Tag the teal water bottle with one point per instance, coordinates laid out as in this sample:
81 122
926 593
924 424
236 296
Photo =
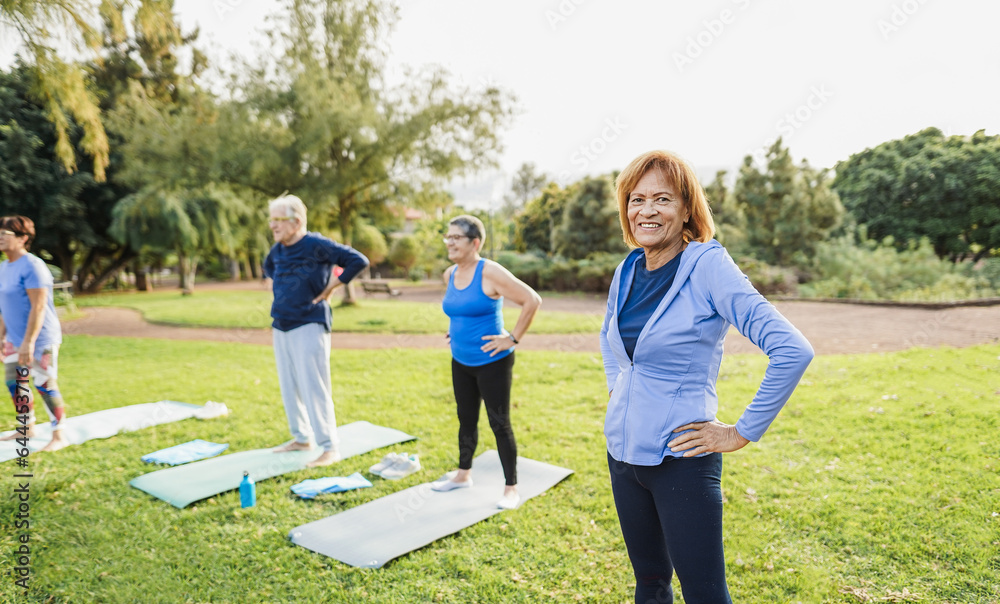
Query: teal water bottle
248 491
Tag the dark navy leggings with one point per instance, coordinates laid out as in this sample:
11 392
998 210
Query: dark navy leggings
489 384
671 518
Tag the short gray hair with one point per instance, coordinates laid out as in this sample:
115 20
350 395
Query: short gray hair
471 226
291 206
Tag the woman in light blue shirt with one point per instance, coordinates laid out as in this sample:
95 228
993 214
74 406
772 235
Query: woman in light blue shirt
670 305
30 332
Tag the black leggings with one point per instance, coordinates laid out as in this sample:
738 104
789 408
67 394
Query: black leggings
671 518
489 383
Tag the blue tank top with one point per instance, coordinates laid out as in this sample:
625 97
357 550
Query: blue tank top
473 315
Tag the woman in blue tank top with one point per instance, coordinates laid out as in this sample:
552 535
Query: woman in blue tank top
482 350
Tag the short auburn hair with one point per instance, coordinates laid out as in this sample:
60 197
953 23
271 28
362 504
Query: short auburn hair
21 226
679 175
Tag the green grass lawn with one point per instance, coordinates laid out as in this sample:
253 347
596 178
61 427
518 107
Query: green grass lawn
243 309
879 478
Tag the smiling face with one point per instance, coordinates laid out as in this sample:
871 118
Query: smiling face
284 228
656 215
460 246
11 243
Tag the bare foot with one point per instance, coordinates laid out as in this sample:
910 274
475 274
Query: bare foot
16 434
292 446
326 459
58 442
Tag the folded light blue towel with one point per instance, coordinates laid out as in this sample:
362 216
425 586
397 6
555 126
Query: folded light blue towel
332 484
183 453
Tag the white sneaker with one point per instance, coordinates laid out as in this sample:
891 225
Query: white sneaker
386 463
403 467
509 502
445 484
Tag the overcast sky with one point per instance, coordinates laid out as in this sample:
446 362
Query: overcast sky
599 82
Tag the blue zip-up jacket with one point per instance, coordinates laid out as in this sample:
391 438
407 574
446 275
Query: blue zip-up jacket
671 380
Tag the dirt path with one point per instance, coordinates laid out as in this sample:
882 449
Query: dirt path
831 328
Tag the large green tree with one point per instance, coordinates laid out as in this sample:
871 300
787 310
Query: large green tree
33 180
190 222
71 210
74 210
538 219
788 209
316 116
63 89
589 221
946 189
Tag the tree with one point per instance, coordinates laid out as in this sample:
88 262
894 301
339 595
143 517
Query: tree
590 220
188 222
322 123
538 219
62 89
730 221
788 209
71 210
526 184
404 252
369 241
927 185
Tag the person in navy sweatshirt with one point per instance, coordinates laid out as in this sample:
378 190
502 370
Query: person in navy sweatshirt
301 268
670 305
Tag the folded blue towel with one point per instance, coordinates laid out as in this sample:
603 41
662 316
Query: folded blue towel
332 484
183 453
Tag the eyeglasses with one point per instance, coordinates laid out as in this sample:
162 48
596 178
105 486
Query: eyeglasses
8 234
454 238
280 219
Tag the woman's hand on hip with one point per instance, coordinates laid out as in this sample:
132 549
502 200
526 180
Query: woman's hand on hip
497 344
25 353
707 437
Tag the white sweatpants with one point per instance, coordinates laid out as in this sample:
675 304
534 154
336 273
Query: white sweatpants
303 359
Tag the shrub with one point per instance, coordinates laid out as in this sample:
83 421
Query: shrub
64 298
591 274
871 270
767 279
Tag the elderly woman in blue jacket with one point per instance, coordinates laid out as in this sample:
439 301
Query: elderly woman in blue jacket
669 308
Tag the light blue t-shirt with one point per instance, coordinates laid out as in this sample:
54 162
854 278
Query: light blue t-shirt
27 272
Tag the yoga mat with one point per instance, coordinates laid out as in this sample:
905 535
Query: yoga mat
194 450
100 424
183 485
374 533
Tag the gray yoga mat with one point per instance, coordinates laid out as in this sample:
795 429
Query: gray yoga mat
374 533
100 424
182 485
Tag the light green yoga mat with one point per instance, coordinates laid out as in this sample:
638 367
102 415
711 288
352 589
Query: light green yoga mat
183 485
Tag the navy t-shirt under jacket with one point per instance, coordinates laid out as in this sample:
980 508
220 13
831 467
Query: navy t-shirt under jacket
648 288
301 272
